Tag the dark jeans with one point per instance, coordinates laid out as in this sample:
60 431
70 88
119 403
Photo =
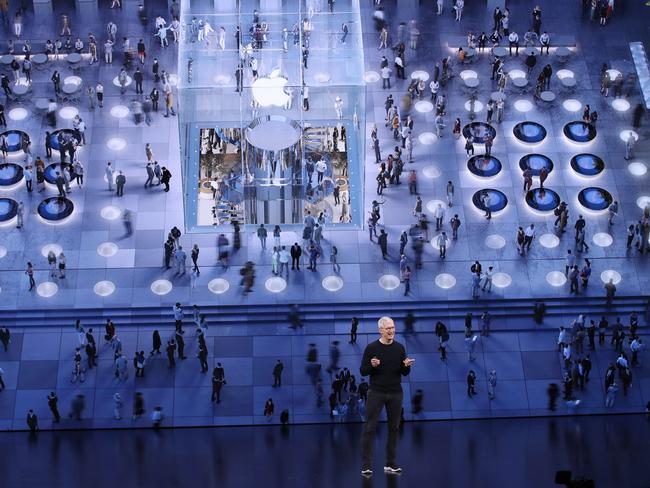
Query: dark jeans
375 403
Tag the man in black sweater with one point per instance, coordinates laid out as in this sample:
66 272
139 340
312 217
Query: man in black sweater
384 361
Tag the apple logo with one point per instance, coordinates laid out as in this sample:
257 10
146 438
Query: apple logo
269 90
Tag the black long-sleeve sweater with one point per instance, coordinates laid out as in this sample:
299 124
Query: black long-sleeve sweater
385 378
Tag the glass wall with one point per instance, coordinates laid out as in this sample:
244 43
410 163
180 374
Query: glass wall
271 106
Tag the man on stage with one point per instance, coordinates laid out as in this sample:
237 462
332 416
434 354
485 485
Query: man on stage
384 361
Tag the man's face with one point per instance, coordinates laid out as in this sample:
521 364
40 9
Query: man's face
387 330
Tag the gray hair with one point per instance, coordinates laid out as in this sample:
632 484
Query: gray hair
385 322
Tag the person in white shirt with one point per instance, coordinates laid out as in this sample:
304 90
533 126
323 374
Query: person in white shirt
385 77
222 38
321 167
439 214
434 86
338 107
111 29
513 40
110 172
488 279
442 244
545 40
207 30
529 235
459 9
450 193
108 52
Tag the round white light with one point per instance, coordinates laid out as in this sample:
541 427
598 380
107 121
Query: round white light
419 74
523 106
322 77
468 73
613 74
556 278
218 286
68 113
119 111
434 242
332 283
371 77
501 280
275 284
55 248
161 287
516 73
625 135
549 241
3 252
107 249
47 289
73 80
18 113
478 106
116 143
641 202
116 81
495 241
110 212
637 168
445 281
389 282
565 73
222 79
602 239
572 105
427 138
104 288
432 205
431 172
610 274
423 106
620 105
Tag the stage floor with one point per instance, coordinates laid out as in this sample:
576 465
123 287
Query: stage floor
504 453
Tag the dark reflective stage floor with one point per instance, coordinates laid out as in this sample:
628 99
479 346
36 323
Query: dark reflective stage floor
498 453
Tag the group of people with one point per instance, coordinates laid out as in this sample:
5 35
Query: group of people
399 122
577 361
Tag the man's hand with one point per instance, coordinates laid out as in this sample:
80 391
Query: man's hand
408 362
374 362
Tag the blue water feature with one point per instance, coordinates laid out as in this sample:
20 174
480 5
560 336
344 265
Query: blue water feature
587 164
54 137
595 198
480 131
484 166
536 162
8 209
498 199
579 131
15 140
529 132
542 199
55 208
10 174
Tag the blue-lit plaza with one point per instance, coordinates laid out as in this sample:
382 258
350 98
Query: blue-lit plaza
250 173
